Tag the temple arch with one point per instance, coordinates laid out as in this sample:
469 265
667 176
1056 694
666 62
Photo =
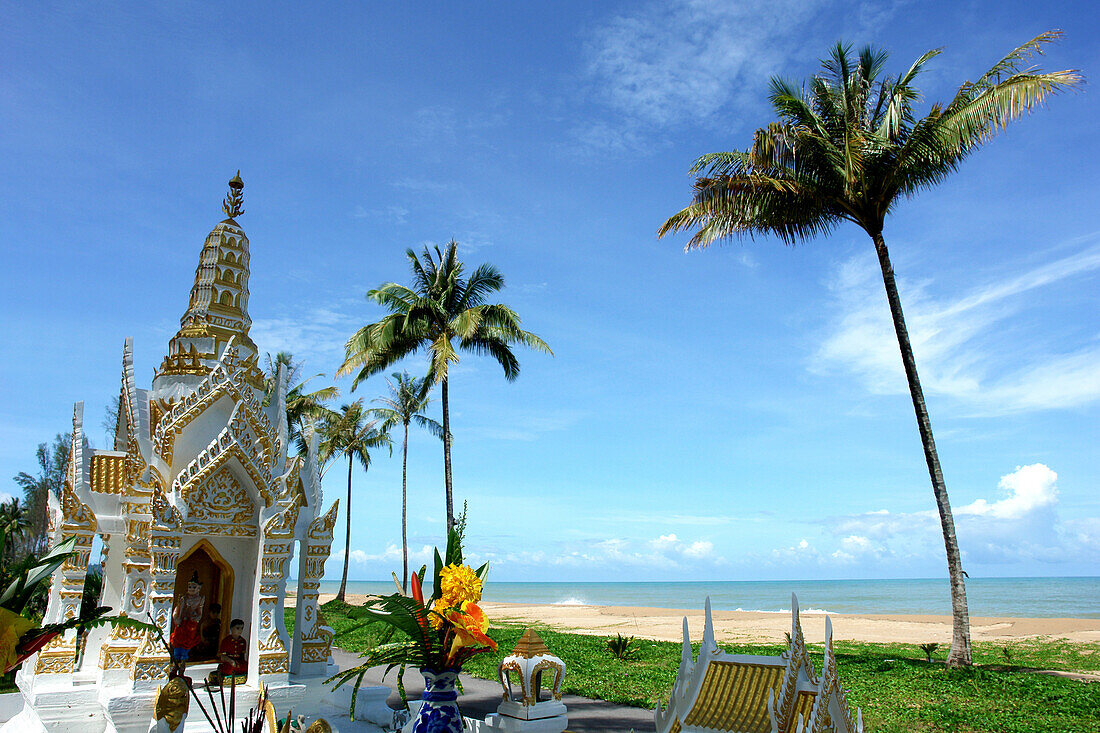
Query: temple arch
217 578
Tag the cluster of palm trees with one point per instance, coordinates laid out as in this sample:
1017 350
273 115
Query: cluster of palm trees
442 313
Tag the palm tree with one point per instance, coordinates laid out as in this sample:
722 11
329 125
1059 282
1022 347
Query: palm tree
439 309
848 147
348 433
52 460
406 403
303 408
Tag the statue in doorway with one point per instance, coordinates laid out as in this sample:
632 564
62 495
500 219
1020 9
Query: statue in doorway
186 615
233 652
232 657
211 631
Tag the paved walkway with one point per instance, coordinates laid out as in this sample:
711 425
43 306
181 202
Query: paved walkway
481 697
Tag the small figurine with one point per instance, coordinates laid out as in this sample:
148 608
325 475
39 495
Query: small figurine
233 652
185 624
172 702
211 630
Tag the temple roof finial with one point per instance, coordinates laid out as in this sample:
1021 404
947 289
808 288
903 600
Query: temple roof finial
233 202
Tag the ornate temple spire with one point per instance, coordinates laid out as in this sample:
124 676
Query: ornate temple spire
218 308
233 202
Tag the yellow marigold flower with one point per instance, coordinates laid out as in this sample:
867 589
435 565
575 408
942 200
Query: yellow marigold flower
458 584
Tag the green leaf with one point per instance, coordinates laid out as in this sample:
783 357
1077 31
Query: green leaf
437 589
454 547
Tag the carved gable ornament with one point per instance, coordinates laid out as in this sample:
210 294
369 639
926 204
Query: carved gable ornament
219 505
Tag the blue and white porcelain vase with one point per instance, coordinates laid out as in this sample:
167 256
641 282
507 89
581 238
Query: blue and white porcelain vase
439 713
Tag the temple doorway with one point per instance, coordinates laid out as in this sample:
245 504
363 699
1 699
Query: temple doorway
216 575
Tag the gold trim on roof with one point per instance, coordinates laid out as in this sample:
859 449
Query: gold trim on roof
108 473
734 697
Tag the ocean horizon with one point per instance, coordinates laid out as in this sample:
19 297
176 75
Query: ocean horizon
1067 597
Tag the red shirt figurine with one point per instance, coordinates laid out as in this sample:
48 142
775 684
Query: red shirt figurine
233 652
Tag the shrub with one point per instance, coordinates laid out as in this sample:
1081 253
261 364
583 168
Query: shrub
622 647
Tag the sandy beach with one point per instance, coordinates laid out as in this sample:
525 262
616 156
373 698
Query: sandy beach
666 624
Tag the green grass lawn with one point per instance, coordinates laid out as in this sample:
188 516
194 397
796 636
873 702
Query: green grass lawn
896 688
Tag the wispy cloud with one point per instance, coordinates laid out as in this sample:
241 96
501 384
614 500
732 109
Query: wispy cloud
951 338
316 336
665 551
395 214
667 519
422 185
671 62
525 425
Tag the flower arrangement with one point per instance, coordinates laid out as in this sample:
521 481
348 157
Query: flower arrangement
438 633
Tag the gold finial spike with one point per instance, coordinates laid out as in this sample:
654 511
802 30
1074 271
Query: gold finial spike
235 200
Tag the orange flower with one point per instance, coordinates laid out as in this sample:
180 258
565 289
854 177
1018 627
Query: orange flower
470 626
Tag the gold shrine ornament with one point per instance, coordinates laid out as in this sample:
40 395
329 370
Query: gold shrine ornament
172 703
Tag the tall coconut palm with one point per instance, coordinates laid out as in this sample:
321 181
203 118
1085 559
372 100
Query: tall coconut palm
303 407
405 405
848 146
348 433
442 313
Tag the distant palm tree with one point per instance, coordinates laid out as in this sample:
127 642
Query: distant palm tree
848 147
302 408
52 459
406 403
439 309
348 433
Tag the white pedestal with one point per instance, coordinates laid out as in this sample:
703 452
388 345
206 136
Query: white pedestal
370 703
495 722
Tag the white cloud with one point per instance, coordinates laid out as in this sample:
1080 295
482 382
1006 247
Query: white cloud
1028 487
951 339
666 552
674 61
699 549
386 557
1021 527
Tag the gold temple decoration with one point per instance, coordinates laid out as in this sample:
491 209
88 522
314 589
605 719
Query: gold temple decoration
235 199
530 645
172 703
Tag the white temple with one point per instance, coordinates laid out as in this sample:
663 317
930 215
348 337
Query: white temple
199 484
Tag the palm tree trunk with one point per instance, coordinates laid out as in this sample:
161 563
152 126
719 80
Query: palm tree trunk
960 637
404 506
347 541
447 457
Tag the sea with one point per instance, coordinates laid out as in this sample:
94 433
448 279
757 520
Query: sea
1076 597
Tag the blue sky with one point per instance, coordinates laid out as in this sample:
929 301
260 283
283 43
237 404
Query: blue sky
738 413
